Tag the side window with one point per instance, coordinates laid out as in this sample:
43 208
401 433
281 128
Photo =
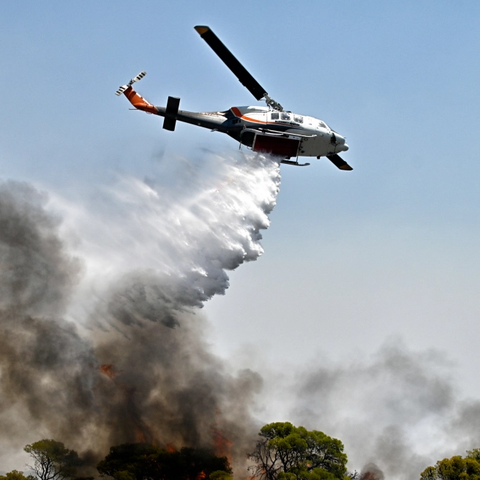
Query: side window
298 119
274 115
285 116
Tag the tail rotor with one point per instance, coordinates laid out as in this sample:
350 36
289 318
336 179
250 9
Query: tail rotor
130 83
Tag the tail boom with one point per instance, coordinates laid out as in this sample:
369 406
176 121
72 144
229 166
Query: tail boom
138 101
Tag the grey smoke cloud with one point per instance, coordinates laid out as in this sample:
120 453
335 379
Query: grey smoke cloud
36 273
43 360
399 410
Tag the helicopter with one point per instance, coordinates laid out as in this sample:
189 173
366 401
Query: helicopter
265 129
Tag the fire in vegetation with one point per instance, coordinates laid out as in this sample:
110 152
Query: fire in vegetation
148 461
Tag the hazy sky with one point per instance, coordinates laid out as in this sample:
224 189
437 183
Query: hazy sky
384 255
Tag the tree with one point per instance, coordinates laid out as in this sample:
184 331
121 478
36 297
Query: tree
286 452
140 461
16 475
130 461
455 468
194 462
52 461
220 475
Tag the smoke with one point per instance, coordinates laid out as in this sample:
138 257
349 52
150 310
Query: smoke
396 413
102 343
42 358
36 274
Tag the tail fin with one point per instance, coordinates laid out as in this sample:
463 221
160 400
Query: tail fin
130 83
135 99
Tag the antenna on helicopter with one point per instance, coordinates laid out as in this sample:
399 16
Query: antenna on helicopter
246 79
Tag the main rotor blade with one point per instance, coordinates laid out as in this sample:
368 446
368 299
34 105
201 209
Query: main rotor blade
231 62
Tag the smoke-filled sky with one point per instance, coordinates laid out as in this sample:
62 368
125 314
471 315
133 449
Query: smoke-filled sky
360 319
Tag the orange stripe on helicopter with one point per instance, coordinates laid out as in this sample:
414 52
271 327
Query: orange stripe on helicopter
237 113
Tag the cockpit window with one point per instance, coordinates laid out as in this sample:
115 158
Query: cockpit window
275 116
298 119
322 125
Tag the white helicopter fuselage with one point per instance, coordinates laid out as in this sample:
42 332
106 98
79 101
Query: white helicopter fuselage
316 137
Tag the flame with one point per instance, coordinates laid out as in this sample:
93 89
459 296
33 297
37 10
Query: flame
143 434
222 445
368 476
140 434
108 370
141 431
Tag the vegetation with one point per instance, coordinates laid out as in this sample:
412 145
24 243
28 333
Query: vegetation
286 452
455 468
52 461
139 461
16 475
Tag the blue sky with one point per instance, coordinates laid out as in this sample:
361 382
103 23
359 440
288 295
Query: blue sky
352 259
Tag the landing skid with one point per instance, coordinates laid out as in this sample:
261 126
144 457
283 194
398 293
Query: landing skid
289 162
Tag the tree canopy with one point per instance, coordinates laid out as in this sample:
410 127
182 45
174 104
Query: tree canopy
455 468
52 461
286 452
139 461
16 475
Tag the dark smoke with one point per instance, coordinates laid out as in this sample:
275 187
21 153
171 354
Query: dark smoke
43 361
132 363
36 273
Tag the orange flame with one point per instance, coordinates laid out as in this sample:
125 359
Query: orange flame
222 444
201 476
108 370
368 476
141 432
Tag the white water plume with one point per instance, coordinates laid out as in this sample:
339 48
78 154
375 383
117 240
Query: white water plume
189 228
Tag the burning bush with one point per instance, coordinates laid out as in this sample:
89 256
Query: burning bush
139 461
